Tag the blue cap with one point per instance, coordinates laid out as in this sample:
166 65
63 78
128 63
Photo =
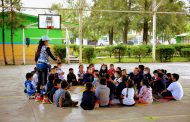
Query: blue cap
45 38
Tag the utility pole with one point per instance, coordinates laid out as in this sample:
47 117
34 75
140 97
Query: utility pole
3 31
154 9
82 2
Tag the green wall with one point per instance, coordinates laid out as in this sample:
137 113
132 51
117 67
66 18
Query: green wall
31 32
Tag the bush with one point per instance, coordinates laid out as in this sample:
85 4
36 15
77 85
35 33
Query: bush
164 53
140 51
74 47
89 54
128 51
60 50
109 50
179 47
149 50
100 51
185 52
119 51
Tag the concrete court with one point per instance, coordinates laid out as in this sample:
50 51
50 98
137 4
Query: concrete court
15 107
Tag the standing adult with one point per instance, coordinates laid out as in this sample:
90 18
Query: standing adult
42 60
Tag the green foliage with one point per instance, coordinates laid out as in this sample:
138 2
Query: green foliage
74 47
119 51
178 48
164 53
88 54
185 52
110 50
129 51
60 50
140 51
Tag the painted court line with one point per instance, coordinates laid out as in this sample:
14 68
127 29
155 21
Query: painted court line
145 118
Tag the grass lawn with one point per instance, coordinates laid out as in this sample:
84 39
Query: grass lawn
135 60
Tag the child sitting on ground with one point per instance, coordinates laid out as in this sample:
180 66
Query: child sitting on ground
128 94
56 86
88 98
29 88
147 74
60 71
118 78
35 78
124 73
111 71
80 74
145 94
111 86
62 97
169 79
175 90
120 87
88 77
103 70
96 81
103 93
71 77
158 84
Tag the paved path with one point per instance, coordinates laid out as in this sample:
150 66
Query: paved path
15 107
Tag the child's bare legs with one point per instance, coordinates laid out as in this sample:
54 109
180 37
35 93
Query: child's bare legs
142 101
46 99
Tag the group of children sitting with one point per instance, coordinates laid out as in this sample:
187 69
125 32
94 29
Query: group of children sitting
104 85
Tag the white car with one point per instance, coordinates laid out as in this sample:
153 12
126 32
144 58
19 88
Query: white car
104 41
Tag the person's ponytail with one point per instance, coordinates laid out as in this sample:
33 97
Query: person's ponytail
37 53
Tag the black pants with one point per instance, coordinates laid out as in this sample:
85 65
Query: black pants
167 94
42 78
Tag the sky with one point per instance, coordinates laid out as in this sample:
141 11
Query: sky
48 3
42 4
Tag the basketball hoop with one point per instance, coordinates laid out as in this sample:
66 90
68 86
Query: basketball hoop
49 21
50 27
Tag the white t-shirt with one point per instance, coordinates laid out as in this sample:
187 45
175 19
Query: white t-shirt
176 89
129 99
35 80
118 80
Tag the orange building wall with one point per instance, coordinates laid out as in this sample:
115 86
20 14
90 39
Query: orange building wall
30 51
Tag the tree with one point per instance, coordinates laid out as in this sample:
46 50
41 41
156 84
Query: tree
170 25
69 16
142 21
119 51
125 19
3 32
105 22
13 20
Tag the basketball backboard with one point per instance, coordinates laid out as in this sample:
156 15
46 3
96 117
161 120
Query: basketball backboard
49 21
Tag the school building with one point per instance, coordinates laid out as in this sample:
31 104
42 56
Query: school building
33 33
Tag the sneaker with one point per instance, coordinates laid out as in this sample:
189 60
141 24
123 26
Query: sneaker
46 101
38 99
31 97
75 103
110 102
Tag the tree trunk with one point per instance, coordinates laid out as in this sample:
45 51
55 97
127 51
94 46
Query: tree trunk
145 31
3 33
12 46
119 56
111 35
125 34
145 27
